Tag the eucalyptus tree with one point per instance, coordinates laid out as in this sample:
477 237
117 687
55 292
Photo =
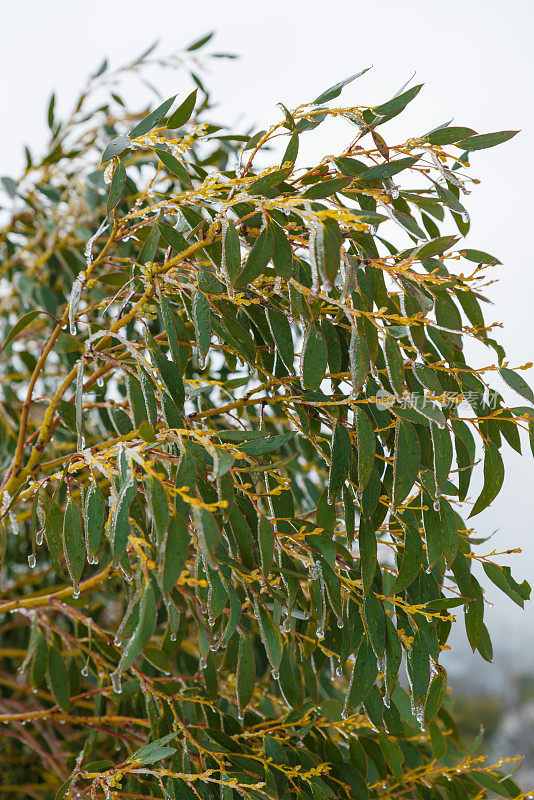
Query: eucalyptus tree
237 436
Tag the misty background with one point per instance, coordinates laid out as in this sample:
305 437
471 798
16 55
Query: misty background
477 62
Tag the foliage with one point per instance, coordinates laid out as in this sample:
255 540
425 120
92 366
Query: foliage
234 457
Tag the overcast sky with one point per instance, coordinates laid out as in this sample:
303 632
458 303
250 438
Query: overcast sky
476 59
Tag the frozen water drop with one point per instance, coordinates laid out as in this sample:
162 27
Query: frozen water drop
85 671
100 381
39 537
437 505
203 662
116 681
31 561
339 623
211 621
465 217
240 716
320 633
275 674
76 591
173 637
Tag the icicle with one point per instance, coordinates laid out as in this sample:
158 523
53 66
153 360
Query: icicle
116 681
75 294
315 239
80 439
465 217
215 456
223 273
88 251
31 561
352 358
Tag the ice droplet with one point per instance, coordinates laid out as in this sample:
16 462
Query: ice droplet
31 561
275 674
437 505
211 621
39 536
85 671
116 681
76 591
100 381
203 662
394 191
465 216
320 633
340 623
240 716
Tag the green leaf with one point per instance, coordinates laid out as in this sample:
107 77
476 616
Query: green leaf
313 358
502 578
94 515
200 42
246 672
341 458
375 622
360 360
364 675
115 148
395 365
412 556
479 257
335 90
281 333
517 383
271 638
143 632
365 436
327 250
150 246
448 135
202 321
174 166
173 238
119 527
493 478
232 252
258 258
406 460
484 140
73 541
436 694
399 102
183 112
282 253
59 679
266 540
152 119
117 185
290 679
145 752
368 553
326 188
19 326
382 171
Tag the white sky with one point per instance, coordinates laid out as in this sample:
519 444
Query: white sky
476 59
